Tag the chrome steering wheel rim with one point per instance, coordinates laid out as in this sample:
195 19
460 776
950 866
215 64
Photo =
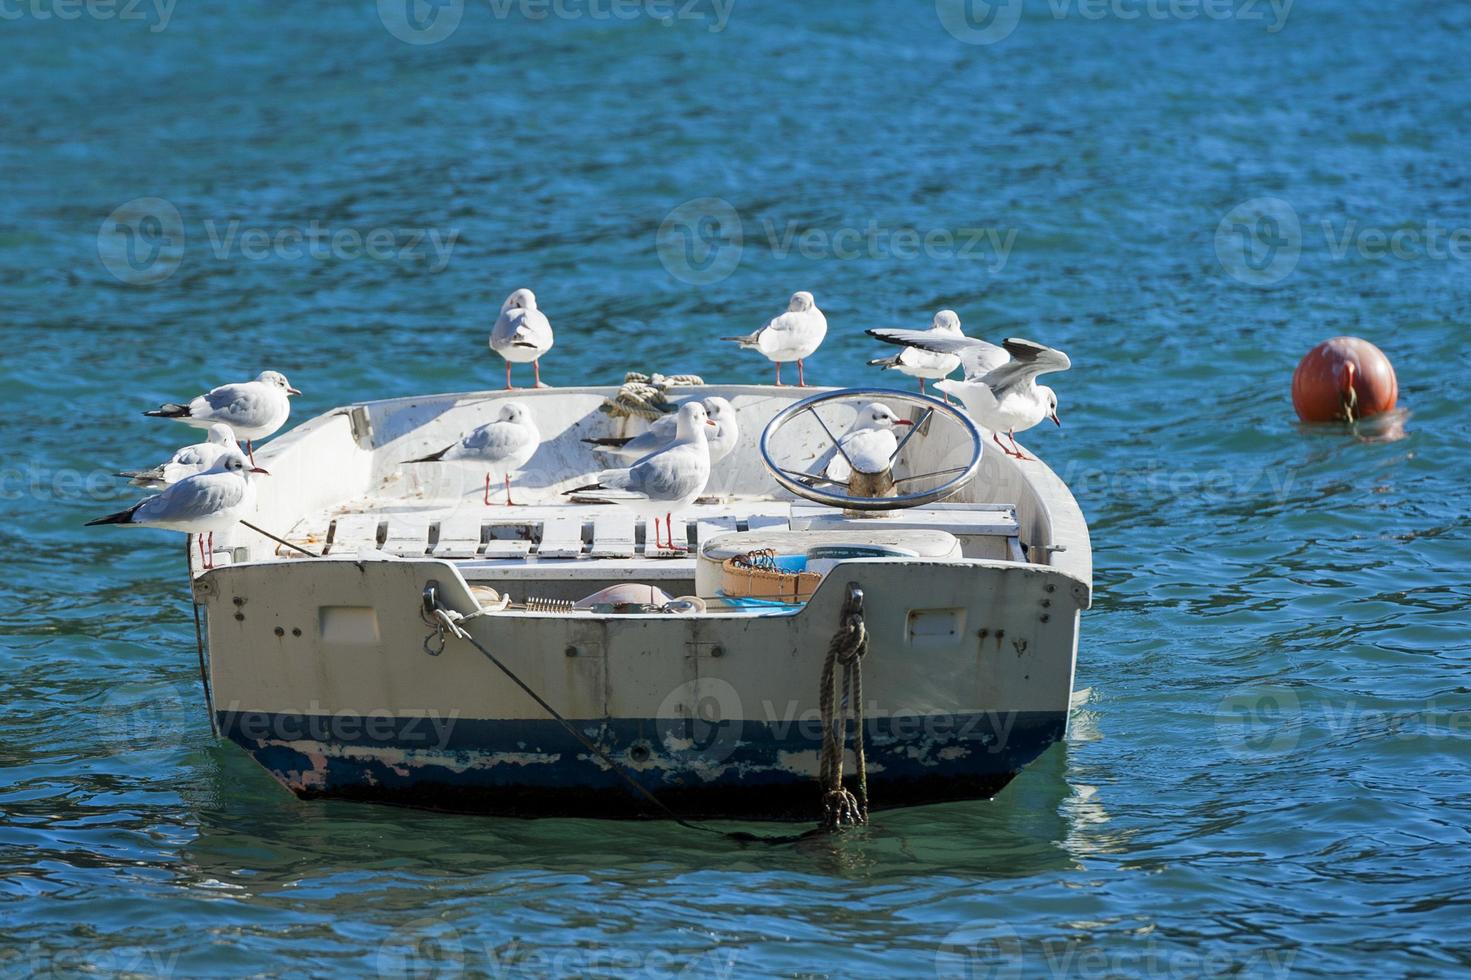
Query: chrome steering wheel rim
789 481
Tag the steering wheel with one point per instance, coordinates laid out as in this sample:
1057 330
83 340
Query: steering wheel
810 485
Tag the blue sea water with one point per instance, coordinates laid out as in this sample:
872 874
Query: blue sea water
1269 776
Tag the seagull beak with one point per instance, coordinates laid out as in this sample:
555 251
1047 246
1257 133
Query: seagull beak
292 391
1056 421
711 423
903 421
261 471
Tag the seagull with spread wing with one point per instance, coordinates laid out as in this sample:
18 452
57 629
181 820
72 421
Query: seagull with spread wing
999 389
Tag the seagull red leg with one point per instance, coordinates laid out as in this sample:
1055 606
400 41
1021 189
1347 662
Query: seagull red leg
801 378
509 501
778 374
921 386
508 377
486 498
536 370
250 451
1019 453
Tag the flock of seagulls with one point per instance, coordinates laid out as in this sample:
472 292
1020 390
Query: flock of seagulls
208 486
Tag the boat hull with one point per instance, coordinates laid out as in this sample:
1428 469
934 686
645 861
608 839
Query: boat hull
326 674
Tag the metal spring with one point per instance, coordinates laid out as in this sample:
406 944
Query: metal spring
536 604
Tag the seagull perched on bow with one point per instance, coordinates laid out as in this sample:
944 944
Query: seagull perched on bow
999 389
522 334
202 504
504 446
793 336
187 461
868 446
665 430
667 481
922 364
252 409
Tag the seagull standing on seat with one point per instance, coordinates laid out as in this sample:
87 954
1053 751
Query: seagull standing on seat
202 504
667 481
922 364
1000 389
504 446
868 446
252 409
793 336
187 461
664 430
521 334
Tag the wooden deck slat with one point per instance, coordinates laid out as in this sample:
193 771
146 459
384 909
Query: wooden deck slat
459 536
561 537
408 535
613 534
354 532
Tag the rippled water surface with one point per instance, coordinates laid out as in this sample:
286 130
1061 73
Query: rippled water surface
1269 776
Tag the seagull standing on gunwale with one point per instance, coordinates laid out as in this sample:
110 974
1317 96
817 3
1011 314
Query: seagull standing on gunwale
522 334
214 500
504 446
999 389
922 364
793 336
667 481
664 431
252 409
187 461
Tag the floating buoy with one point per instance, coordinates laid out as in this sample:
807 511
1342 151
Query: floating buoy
1343 380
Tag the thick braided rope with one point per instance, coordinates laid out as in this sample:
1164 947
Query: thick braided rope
842 808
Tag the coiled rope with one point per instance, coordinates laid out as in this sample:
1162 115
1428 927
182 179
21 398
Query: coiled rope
840 806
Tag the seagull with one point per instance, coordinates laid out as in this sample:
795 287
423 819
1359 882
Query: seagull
922 364
667 481
793 336
504 446
522 333
1000 388
252 409
187 461
868 446
200 504
721 442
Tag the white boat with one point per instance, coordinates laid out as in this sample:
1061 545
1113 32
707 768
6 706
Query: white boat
366 673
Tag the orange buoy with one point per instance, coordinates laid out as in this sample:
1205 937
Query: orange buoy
1343 380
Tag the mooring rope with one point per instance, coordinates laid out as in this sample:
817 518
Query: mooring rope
840 807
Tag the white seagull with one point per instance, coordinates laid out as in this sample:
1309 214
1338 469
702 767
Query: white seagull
202 504
521 334
793 336
1000 389
187 461
667 481
922 364
504 446
252 409
868 446
664 430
